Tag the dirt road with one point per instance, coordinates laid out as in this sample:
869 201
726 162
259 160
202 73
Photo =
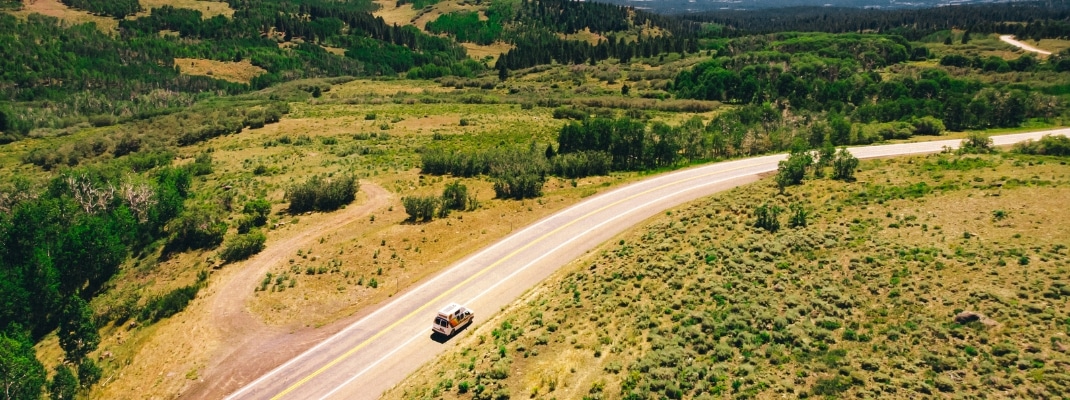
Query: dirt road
252 347
1010 40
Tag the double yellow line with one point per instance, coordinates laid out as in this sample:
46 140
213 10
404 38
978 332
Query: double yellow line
439 298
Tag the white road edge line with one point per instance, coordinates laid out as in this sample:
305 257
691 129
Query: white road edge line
372 365
347 329
533 262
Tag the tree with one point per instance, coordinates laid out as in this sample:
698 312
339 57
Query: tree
793 170
454 197
766 217
843 165
840 130
798 216
64 385
624 89
21 375
88 373
78 334
4 124
503 72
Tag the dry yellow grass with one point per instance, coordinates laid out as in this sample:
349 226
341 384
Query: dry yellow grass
240 72
208 9
1052 45
54 8
392 14
487 53
584 35
994 233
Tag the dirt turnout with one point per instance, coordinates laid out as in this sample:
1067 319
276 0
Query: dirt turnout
249 347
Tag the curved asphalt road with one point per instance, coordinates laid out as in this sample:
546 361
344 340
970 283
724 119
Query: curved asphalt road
375 353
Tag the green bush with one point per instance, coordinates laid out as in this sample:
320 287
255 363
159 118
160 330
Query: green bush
196 228
454 197
928 126
798 216
1051 145
976 143
169 304
258 210
793 170
243 246
581 164
832 386
766 217
843 165
202 165
420 208
321 194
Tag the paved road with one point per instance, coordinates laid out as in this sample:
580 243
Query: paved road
378 351
1010 39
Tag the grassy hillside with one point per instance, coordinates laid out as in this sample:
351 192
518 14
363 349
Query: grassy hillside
861 301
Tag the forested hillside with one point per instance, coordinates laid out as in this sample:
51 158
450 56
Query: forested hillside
117 158
57 75
1030 19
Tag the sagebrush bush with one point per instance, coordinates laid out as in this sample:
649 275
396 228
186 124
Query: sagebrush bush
243 246
420 208
322 194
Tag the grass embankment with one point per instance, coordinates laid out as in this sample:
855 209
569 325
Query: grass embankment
860 302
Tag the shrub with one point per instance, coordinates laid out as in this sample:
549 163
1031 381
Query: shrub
928 126
258 210
321 194
202 165
832 386
569 113
171 303
843 165
766 217
798 216
454 197
420 208
197 228
581 164
793 170
976 143
519 186
243 246
1051 145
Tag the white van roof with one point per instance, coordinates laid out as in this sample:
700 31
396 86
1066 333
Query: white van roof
450 309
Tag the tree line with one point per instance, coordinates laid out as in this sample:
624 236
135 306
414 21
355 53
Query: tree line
83 73
1032 19
834 74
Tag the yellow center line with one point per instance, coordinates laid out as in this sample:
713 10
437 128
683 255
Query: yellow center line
480 273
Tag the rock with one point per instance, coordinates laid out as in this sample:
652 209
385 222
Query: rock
966 317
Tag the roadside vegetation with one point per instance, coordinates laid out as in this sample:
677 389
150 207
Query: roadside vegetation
132 176
932 275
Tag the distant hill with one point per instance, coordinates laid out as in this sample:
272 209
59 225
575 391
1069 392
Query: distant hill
693 6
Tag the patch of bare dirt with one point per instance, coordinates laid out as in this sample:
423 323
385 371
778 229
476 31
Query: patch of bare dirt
245 355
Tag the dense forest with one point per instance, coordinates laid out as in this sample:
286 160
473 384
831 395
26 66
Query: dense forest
62 75
536 39
834 73
1032 19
